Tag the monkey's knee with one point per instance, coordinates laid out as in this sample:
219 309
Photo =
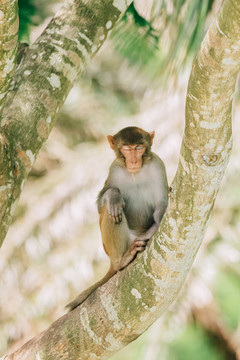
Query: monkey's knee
105 217
115 237
106 222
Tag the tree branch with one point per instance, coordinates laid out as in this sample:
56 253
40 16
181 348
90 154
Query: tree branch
41 84
122 309
8 45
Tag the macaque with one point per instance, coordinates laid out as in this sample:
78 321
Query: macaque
132 201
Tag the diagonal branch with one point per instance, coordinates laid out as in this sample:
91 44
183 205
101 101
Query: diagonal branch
41 84
122 309
8 45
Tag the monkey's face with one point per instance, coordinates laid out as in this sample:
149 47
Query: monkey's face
133 155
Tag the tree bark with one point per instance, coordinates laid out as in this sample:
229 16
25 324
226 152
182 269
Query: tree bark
41 83
122 309
8 45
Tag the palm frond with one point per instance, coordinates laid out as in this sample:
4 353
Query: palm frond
165 41
31 13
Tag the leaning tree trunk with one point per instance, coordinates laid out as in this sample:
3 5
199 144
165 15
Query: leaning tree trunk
122 309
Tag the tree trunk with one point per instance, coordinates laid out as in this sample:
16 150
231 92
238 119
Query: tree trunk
122 309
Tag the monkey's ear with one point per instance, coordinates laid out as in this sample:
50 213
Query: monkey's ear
111 141
152 136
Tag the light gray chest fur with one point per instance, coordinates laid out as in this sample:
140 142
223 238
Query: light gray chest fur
141 193
145 186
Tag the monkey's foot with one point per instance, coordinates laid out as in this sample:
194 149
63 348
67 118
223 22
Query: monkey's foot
130 254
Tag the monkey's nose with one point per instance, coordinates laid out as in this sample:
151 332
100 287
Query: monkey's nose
133 158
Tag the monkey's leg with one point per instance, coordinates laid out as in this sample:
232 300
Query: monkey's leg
115 239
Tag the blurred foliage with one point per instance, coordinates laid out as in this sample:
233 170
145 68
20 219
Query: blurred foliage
135 38
31 13
227 292
193 343
164 38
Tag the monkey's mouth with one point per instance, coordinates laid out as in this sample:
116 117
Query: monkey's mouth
134 170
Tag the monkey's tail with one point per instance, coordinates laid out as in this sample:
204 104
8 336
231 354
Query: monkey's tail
85 294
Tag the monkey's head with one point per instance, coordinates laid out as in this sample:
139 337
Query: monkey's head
132 146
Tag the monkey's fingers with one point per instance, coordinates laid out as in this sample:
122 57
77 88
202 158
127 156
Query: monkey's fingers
113 216
140 242
142 239
117 216
116 219
140 245
140 248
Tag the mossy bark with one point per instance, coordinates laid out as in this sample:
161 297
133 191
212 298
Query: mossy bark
122 309
8 45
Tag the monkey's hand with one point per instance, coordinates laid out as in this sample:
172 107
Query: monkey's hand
115 205
130 254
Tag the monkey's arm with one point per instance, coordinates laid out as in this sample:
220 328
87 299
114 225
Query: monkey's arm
157 216
114 201
141 241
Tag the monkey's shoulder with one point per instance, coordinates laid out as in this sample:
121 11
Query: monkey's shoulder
157 161
154 167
